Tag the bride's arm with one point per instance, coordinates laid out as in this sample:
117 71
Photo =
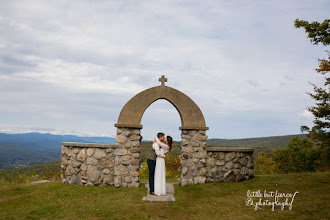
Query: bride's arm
165 146
158 152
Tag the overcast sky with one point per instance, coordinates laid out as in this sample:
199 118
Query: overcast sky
68 67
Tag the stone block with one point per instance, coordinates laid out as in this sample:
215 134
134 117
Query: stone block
75 150
127 157
135 155
109 150
135 137
106 171
117 160
108 162
202 172
184 142
119 130
135 144
127 144
198 137
91 161
187 163
75 180
126 133
121 170
117 181
244 170
121 139
236 160
184 182
230 178
99 153
201 154
135 173
108 180
195 143
83 167
230 156
75 164
187 149
249 164
210 161
90 152
133 185
68 151
185 136
227 174
120 151
135 162
125 162
236 172
237 165
184 171
136 131
221 155
229 165
69 170
220 162
93 173
243 161
127 179
199 180
135 150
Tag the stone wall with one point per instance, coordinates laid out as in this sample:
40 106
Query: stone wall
87 164
103 164
229 164
193 157
118 165
127 157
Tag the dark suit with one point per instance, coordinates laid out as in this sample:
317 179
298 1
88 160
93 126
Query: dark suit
151 161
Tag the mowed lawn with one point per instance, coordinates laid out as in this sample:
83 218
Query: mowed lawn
209 201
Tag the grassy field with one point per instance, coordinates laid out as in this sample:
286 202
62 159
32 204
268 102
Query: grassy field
209 201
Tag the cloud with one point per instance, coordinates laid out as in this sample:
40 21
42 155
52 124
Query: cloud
72 66
306 114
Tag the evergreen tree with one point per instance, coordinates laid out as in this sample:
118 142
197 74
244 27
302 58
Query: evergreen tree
320 132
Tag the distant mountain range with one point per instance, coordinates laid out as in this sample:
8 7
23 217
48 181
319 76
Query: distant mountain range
263 142
19 150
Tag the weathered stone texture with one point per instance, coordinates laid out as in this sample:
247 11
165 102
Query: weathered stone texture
193 157
229 166
88 165
118 165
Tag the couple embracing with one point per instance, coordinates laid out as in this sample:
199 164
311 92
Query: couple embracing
156 164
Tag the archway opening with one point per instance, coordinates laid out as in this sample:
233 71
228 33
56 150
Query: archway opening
161 116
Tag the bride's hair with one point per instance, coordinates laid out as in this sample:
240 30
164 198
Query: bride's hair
169 141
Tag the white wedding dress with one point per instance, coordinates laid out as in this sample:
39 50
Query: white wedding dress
160 170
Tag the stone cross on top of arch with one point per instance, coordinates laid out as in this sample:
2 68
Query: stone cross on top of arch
162 80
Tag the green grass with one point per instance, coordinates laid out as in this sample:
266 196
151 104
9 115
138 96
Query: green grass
209 201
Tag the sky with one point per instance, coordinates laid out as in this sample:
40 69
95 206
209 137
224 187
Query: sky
69 67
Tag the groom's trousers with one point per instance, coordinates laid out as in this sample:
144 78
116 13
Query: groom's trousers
151 167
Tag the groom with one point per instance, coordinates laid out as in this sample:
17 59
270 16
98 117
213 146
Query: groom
151 161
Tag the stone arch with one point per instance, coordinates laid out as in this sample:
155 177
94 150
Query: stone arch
190 114
118 165
193 145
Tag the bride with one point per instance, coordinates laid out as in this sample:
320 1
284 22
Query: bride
160 171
